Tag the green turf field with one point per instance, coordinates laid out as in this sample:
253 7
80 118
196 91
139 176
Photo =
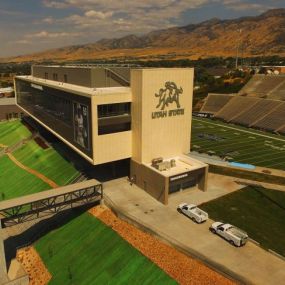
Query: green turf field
15 182
47 162
12 132
258 211
242 144
85 251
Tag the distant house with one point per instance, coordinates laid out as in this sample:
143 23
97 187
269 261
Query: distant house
218 72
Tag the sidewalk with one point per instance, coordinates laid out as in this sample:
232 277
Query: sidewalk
249 264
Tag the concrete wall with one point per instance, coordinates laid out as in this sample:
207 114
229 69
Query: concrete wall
83 76
152 182
110 147
153 135
9 112
78 76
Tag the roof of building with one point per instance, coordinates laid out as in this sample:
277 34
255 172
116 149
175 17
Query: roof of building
182 164
76 89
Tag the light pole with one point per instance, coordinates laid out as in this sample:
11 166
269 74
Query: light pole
238 48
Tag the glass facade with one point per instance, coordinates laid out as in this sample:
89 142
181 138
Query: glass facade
66 113
114 118
109 110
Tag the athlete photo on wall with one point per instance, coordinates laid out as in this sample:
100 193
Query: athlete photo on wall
81 124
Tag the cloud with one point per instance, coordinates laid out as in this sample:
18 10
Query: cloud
22 42
239 5
98 15
48 20
49 35
100 18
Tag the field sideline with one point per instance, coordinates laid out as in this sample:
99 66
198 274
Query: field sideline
243 145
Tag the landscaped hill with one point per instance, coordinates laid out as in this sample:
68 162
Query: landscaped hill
255 36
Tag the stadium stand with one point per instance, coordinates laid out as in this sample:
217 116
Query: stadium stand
265 86
273 121
256 112
279 92
236 106
215 102
260 104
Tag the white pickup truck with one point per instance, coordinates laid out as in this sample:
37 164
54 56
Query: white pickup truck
232 234
193 212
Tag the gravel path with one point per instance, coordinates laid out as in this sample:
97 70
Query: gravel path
34 266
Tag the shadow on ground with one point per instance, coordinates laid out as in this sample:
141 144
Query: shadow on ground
40 229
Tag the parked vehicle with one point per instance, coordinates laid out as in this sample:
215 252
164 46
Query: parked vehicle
229 232
193 212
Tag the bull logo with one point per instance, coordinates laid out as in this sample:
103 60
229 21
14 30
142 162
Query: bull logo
168 95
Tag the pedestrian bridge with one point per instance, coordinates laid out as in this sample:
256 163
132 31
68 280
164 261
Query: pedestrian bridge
34 206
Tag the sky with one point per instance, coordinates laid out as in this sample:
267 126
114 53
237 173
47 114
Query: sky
28 26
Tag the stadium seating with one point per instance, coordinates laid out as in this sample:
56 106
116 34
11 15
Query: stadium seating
279 92
274 120
215 102
256 112
235 106
265 86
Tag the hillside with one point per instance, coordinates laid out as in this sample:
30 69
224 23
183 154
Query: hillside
260 35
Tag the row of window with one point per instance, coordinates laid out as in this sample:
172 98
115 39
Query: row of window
55 77
14 115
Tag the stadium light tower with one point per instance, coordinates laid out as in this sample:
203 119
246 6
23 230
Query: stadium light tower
238 44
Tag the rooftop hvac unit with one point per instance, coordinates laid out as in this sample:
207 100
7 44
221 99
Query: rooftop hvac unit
157 160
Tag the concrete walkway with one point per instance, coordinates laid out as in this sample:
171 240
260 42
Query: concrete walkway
249 264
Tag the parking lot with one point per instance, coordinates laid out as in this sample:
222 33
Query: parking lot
249 264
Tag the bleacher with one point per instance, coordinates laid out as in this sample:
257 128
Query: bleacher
215 102
265 86
256 112
279 92
274 120
236 106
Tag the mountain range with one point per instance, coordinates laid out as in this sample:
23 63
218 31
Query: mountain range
248 36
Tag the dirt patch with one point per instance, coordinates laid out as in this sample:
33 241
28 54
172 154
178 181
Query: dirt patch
34 266
41 142
182 268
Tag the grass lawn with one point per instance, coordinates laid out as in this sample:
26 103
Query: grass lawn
47 162
258 211
12 132
239 144
95 254
15 182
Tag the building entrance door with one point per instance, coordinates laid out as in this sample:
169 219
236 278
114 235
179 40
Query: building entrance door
182 185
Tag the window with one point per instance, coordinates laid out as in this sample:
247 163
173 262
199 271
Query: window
109 110
46 75
65 78
114 118
54 76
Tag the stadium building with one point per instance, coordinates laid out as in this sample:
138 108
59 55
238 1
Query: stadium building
110 114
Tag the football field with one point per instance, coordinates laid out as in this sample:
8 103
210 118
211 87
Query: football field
241 144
